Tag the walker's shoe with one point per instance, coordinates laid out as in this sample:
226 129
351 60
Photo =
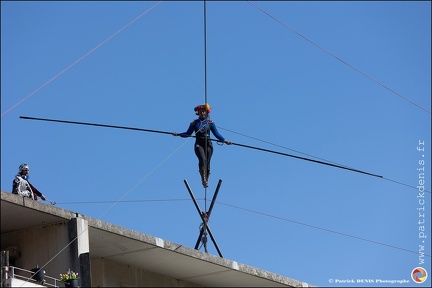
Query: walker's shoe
203 171
205 184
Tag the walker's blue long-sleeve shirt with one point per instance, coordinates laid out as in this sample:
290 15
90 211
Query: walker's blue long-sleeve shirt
201 127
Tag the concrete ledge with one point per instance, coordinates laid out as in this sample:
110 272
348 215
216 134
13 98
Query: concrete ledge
135 251
193 253
37 205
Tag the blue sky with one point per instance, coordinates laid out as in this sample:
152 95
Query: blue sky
348 82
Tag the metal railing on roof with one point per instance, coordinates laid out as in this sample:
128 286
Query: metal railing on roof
20 273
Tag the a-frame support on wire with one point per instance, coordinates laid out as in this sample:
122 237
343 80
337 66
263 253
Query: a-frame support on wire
205 216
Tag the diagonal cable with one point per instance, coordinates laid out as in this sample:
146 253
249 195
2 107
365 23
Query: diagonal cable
339 59
321 228
78 60
114 204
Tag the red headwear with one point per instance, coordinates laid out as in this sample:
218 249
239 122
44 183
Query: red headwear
204 106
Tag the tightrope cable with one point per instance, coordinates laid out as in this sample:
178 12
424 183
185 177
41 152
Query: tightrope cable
205 102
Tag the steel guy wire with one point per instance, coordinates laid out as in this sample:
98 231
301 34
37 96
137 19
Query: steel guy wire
116 202
262 214
79 59
347 167
337 58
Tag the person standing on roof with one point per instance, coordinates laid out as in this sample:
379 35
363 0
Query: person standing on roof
22 186
203 145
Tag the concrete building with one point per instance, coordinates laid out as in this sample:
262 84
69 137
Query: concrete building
36 234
